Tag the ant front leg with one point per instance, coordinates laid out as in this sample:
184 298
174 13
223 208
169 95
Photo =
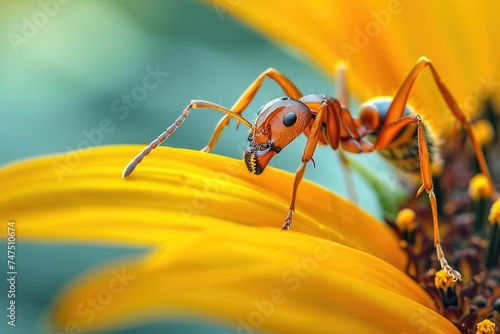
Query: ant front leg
288 87
299 174
328 116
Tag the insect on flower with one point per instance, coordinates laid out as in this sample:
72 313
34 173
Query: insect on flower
387 125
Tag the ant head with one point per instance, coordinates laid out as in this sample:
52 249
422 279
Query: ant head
278 123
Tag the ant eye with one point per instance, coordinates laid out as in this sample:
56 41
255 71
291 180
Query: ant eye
289 119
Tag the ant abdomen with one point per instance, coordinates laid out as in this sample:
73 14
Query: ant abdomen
402 152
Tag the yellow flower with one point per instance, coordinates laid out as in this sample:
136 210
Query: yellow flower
216 249
382 39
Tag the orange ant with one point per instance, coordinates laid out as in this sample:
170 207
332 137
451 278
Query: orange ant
386 124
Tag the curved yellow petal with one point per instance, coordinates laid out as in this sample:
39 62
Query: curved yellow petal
81 196
219 252
255 280
381 40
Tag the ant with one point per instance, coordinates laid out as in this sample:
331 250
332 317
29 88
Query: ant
387 125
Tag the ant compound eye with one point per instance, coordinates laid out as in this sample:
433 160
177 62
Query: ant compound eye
289 119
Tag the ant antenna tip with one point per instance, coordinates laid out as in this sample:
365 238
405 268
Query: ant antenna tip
128 170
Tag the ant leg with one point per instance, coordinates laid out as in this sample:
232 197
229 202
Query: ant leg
299 174
341 85
343 98
348 179
196 104
398 104
385 137
349 127
425 168
328 115
460 116
288 87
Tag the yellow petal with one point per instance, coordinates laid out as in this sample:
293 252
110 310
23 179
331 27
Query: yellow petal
381 40
220 250
255 280
81 196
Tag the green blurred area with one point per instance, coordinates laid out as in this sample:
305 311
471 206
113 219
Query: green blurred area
64 68
88 63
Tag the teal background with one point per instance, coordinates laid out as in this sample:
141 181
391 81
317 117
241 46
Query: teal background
62 80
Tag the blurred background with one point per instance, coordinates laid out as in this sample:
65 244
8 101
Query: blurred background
65 66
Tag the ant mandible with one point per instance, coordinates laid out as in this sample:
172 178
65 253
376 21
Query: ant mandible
386 124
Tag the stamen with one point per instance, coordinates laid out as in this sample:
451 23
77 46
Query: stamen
493 254
405 221
480 188
486 327
484 132
480 191
494 216
446 288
